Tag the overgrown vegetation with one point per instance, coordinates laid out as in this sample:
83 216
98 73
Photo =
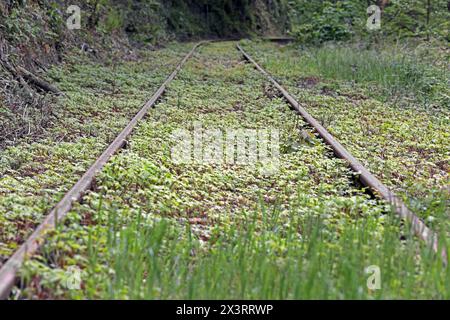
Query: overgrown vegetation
34 35
157 229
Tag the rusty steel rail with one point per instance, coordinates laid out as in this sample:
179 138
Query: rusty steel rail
368 179
9 270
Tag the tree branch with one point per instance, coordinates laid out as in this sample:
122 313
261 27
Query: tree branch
21 74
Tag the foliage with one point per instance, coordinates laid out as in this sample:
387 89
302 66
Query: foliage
155 229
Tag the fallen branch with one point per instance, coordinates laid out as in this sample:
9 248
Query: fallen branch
42 84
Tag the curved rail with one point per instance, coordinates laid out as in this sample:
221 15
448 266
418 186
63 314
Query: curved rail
365 176
9 270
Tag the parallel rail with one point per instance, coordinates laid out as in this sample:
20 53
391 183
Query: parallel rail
368 179
8 272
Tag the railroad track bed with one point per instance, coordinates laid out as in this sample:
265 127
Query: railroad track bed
154 228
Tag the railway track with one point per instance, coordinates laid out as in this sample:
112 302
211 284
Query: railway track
8 272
